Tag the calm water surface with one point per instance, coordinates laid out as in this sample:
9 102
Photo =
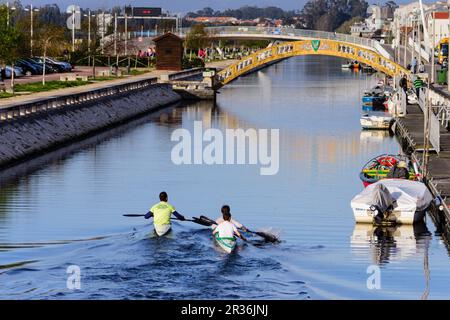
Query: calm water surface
66 209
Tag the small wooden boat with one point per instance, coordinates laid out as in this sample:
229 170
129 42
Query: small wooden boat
378 168
351 65
227 244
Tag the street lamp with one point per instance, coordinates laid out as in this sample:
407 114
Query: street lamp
448 37
31 10
73 11
89 15
8 9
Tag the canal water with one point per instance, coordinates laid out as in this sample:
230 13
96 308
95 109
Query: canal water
65 209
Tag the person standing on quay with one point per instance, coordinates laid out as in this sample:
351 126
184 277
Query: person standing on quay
403 83
414 65
418 83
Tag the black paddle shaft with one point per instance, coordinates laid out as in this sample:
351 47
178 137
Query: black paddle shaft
143 215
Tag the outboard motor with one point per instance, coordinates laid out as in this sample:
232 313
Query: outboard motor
382 202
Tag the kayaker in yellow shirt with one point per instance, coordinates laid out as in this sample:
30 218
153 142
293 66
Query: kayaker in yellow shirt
161 213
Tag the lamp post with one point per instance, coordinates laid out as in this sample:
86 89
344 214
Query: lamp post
103 32
8 15
31 10
126 34
115 35
448 73
89 15
73 12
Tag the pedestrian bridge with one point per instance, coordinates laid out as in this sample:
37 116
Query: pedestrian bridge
327 47
288 34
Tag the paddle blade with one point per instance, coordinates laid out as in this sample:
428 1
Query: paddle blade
208 220
202 222
268 237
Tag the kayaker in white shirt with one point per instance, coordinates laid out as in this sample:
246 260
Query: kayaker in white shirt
237 224
226 228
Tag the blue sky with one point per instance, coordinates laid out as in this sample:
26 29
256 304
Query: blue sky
182 6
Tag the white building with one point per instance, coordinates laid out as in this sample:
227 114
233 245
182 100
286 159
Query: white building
375 21
104 20
360 29
437 21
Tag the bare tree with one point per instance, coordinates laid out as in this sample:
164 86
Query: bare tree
50 41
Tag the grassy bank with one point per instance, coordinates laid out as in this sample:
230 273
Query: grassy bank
34 87
49 85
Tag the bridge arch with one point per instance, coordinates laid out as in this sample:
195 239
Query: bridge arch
310 47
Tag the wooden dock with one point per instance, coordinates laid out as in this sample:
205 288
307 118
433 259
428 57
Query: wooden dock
410 130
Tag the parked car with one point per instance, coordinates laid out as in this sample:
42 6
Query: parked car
56 65
28 67
48 68
67 66
18 72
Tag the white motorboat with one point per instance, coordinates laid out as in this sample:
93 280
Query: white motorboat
392 201
378 122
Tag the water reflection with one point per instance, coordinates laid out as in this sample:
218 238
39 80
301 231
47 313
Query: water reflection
390 243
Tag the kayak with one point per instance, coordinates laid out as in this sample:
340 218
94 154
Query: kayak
162 230
227 244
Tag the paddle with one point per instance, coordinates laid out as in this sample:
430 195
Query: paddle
203 223
267 236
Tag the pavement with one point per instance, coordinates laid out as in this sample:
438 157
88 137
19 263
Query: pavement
23 99
81 71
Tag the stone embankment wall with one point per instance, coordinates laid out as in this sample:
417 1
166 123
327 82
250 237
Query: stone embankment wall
34 134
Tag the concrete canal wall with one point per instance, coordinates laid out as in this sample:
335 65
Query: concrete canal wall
36 127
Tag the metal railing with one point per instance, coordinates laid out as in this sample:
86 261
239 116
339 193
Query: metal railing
441 104
13 112
435 128
293 34
182 74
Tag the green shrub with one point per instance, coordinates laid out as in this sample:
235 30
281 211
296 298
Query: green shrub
193 63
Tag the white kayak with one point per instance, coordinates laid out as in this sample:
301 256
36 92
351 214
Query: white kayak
163 229
410 200
227 244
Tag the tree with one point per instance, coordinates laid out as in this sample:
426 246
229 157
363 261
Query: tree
10 39
346 26
328 15
196 38
49 41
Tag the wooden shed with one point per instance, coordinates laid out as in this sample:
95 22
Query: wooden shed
169 52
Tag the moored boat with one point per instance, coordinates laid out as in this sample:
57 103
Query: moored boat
378 168
392 201
351 65
376 122
227 244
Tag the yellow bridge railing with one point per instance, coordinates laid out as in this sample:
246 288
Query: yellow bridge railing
310 47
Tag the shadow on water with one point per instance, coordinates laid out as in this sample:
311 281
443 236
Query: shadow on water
169 116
